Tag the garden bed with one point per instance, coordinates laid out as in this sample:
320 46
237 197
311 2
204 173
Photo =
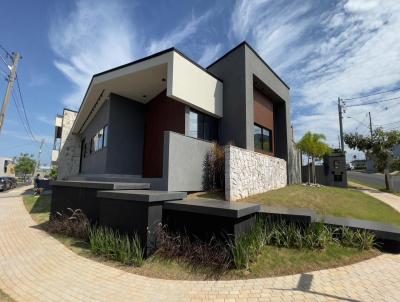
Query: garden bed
270 260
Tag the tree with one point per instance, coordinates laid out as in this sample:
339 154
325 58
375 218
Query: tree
379 147
313 145
24 164
53 173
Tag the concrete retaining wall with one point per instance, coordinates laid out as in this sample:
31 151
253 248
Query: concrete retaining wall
248 173
183 162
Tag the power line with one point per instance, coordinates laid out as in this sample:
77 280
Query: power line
24 111
5 50
372 94
389 123
20 116
374 102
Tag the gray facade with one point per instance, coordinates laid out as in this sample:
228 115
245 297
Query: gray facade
242 70
183 162
124 151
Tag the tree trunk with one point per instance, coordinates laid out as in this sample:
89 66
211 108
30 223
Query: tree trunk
313 167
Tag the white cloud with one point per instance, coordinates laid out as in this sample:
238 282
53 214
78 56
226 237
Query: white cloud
179 34
210 53
45 120
95 36
348 50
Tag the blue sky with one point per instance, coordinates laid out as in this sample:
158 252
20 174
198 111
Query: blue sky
322 49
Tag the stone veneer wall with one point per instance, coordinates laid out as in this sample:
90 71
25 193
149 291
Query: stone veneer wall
248 173
69 156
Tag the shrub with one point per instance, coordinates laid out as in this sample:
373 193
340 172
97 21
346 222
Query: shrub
360 239
75 225
110 244
246 247
214 169
295 235
395 165
213 253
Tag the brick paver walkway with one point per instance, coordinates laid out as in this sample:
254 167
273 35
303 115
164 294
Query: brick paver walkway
36 267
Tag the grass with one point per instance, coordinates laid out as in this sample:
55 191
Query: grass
4 297
272 261
38 207
329 201
373 186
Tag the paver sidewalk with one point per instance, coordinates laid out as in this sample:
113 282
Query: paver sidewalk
390 199
36 267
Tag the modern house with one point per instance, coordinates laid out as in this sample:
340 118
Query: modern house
153 121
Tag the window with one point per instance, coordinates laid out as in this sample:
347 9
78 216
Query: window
262 139
99 141
336 164
202 126
105 136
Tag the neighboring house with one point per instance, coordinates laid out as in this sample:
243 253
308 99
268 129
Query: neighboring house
7 167
153 120
66 151
359 164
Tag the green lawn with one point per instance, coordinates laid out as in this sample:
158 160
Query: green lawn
329 201
38 207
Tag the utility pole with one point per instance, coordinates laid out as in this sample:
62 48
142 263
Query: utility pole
370 123
11 78
341 124
38 158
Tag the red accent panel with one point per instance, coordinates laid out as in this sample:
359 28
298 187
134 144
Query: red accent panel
163 114
264 114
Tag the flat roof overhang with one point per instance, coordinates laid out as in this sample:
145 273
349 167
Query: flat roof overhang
142 80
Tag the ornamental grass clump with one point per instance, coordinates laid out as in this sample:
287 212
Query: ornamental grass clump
111 244
214 169
361 239
212 253
246 247
314 236
74 225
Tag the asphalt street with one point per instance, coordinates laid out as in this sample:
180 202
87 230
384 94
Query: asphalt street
375 179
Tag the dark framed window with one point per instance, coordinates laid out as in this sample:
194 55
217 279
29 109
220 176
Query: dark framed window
262 139
202 126
100 140
105 136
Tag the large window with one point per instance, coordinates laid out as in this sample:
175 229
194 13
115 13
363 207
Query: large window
262 139
202 126
99 141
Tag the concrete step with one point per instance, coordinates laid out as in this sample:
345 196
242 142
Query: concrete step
213 207
106 177
101 185
141 195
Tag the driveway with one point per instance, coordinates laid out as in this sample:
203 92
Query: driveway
373 179
36 267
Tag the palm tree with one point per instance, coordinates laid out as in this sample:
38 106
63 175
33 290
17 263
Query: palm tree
313 145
